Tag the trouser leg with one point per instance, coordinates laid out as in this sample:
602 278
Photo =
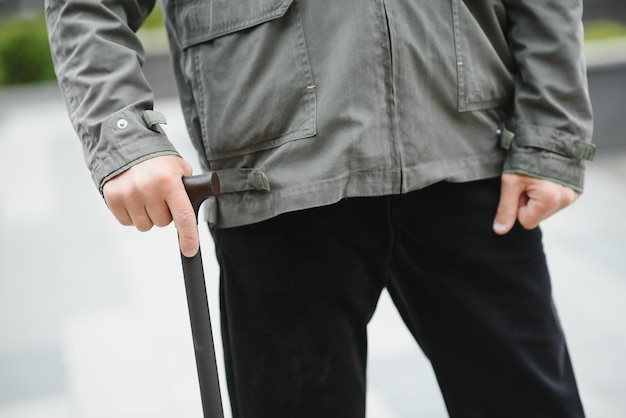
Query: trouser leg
480 305
296 295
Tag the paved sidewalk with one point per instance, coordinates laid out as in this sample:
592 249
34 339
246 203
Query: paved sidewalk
93 320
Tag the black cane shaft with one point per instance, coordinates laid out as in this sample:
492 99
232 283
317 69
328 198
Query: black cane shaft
202 335
199 188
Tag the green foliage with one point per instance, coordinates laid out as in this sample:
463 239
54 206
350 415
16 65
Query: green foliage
24 51
603 30
155 20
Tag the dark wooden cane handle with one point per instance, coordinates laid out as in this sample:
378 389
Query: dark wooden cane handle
201 187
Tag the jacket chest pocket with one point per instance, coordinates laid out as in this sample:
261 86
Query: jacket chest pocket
248 65
483 59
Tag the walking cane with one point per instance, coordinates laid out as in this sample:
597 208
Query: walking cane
199 188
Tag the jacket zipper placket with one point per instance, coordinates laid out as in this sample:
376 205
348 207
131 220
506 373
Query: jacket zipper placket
391 94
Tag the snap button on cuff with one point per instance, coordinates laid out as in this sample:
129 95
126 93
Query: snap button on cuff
122 124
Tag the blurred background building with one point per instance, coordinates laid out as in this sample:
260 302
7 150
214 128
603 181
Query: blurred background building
19 6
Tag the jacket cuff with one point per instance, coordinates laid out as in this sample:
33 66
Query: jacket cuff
126 139
548 154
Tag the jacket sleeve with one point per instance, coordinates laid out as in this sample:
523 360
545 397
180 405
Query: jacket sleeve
552 128
98 60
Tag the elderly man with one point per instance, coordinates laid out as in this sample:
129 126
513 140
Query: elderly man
411 145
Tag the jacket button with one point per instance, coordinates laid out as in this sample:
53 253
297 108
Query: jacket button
122 124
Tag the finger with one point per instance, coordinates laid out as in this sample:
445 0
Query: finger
568 198
508 206
137 213
121 214
538 209
115 204
140 218
185 221
531 215
129 214
159 213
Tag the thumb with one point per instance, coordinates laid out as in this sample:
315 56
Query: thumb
508 206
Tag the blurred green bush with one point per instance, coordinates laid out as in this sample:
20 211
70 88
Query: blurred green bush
24 51
604 29
155 20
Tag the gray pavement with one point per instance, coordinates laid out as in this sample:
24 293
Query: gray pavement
93 319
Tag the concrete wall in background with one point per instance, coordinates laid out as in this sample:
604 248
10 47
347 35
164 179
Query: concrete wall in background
607 87
605 9
15 6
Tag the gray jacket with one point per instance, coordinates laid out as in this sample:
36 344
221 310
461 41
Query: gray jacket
300 103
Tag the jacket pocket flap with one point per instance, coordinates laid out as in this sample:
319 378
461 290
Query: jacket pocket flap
201 21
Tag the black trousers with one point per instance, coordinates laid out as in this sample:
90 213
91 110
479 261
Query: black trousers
297 293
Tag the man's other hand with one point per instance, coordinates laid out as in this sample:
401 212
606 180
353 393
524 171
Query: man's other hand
529 200
152 193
